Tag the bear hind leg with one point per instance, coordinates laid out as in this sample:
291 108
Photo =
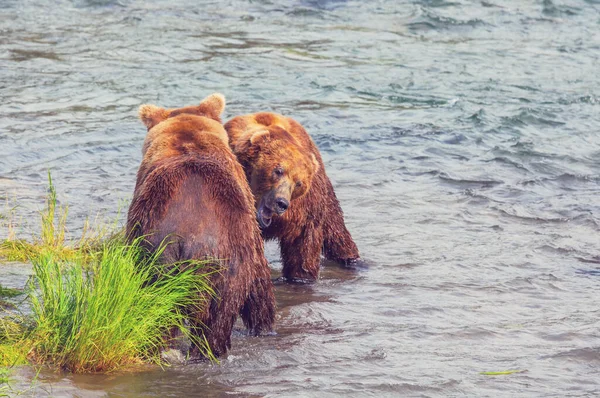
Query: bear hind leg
258 312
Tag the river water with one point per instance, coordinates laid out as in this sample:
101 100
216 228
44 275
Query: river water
462 138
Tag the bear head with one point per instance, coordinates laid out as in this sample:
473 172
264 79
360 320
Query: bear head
211 107
278 168
162 123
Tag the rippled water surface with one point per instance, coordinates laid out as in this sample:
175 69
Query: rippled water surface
462 138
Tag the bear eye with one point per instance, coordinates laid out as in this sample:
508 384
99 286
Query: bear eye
298 184
278 172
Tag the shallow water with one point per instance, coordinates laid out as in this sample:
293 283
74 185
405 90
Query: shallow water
462 141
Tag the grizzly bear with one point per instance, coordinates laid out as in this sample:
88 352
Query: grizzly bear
191 191
294 199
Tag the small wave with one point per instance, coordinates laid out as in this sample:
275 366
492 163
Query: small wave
566 336
478 118
380 133
324 4
582 99
455 139
592 260
417 101
527 88
438 3
533 219
590 354
396 389
412 100
552 10
99 3
569 178
588 272
306 12
473 333
25 55
508 161
564 180
475 196
484 183
528 117
431 21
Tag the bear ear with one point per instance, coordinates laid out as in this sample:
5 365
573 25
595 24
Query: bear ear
212 106
249 138
315 162
257 135
151 115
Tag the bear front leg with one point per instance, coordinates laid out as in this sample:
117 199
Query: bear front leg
338 244
258 312
301 254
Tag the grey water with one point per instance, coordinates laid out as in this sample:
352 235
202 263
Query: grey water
462 139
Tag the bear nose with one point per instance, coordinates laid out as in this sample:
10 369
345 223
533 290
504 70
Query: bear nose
281 205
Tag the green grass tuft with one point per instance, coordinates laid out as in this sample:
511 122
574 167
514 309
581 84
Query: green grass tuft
98 304
99 320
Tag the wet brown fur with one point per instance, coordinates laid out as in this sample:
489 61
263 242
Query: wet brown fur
314 222
191 191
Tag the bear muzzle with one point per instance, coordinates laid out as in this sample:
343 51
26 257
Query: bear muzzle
264 216
271 205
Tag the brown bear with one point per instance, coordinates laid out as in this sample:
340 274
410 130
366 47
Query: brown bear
191 191
294 198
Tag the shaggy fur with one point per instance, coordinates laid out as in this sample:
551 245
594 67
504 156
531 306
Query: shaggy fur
192 191
282 163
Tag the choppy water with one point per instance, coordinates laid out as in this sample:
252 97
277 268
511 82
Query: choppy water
462 138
